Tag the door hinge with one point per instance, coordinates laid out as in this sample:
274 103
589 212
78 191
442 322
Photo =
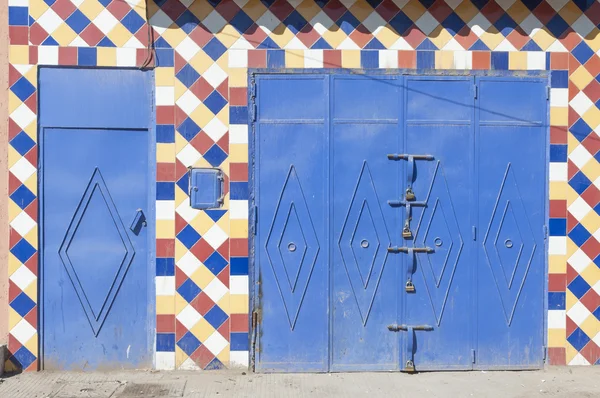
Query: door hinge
473 355
544 353
475 91
474 231
254 219
547 93
253 101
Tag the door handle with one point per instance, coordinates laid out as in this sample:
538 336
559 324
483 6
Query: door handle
139 221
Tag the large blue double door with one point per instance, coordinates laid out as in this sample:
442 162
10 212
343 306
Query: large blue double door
398 222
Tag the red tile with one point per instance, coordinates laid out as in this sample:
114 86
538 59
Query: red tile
558 135
239 323
557 356
238 247
559 61
224 330
13 344
440 10
407 59
571 273
179 61
32 155
544 12
571 169
202 250
165 323
67 56
558 208
202 303
387 9
180 330
223 250
19 34
591 300
414 36
591 195
144 58
165 172
202 142
571 222
255 35
120 8
591 352
308 35
32 317
13 75
180 223
334 9
361 36
593 90
165 247
13 128
92 35
31 102
165 114
571 326
13 237
33 367
518 38
13 291
200 35
593 13
202 356
593 65
557 282
32 264
180 277
201 89
224 276
13 183
281 9
332 59
223 89
227 9
32 209
481 60
238 96
33 55
257 58
64 8
466 37
225 184
180 116
570 39
238 172
180 170
492 11
223 142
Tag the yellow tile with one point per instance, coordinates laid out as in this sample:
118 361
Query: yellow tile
593 39
165 305
32 344
31 183
180 303
223 115
581 77
180 196
201 9
180 89
119 35
13 102
558 190
64 35
13 264
591 170
224 303
32 291
202 115
334 37
570 12
543 38
570 299
440 37
557 264
281 35
9 367
591 221
165 77
591 275
228 35
107 56
350 58
254 9
559 116
31 75
466 10
180 250
180 355
592 116
238 229
13 318
31 130
591 326
202 163
202 277
294 58
13 157
201 62
165 229
223 62
387 36
224 356
517 60
238 153
413 9
239 303
37 8
202 330
308 9
32 237
13 210
492 38
18 54
556 337
165 153
361 10
571 247
444 59
91 9
223 223
202 223
518 12
238 77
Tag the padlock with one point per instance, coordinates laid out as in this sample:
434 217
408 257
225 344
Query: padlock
410 195
410 366
410 288
406 234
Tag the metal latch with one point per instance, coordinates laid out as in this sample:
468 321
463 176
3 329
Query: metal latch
410 341
410 287
406 232
396 328
396 249
410 194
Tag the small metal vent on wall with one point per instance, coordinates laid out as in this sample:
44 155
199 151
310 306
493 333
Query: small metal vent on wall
206 188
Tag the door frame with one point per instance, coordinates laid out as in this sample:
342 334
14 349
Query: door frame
151 216
255 289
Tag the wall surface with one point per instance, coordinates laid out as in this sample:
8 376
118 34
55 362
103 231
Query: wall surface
3 173
202 50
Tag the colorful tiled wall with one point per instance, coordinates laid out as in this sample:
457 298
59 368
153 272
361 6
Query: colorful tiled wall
202 50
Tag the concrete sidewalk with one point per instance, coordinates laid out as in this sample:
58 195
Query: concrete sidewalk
554 382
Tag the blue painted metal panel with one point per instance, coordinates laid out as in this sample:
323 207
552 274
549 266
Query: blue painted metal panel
97 218
512 116
206 188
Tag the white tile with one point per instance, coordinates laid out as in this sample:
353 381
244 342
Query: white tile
463 60
189 364
22 116
243 44
188 156
215 290
583 26
427 23
349 3
216 343
238 284
238 58
165 285
188 317
268 22
536 60
48 55
22 223
241 3
557 47
581 103
579 208
188 102
165 95
313 58
388 59
23 69
22 169
559 97
374 21
165 209
49 20
186 211
188 263
453 45
238 134
402 45
578 313
348 44
596 235
505 45
77 3
133 42
580 156
23 331
579 360
505 4
160 21
557 319
238 209
294 44
78 42
558 4
321 23
214 75
558 171
479 24
530 24
557 245
215 236
239 359
126 56
215 129
105 21
214 22
596 288
579 260
23 277
164 360
187 48
597 338
18 3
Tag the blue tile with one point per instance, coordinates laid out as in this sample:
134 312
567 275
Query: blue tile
187 75
479 46
238 114
188 236
165 57
268 44
22 88
597 313
427 45
87 56
214 48
22 304
556 301
584 4
238 190
559 79
161 43
188 343
50 2
582 52
369 59
531 46
215 364
133 21
216 316
165 133
579 287
321 44
579 235
580 130
239 341
184 183
276 59
215 155
557 226
188 129
215 263
295 22
347 22
187 21
453 23
106 42
165 266
531 4
429 3
23 358
215 102
557 26
267 3
578 339
23 250
105 3
499 60
505 24
375 3
189 290
18 16
50 42
215 215
241 22
425 59
165 342
239 266
165 191
374 44
78 21
579 182
22 196
558 153
22 143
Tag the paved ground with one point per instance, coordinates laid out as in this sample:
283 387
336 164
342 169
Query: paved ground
554 382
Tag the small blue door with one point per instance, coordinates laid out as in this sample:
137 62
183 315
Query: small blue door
96 218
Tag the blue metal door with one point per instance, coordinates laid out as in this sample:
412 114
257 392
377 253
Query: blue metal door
96 218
